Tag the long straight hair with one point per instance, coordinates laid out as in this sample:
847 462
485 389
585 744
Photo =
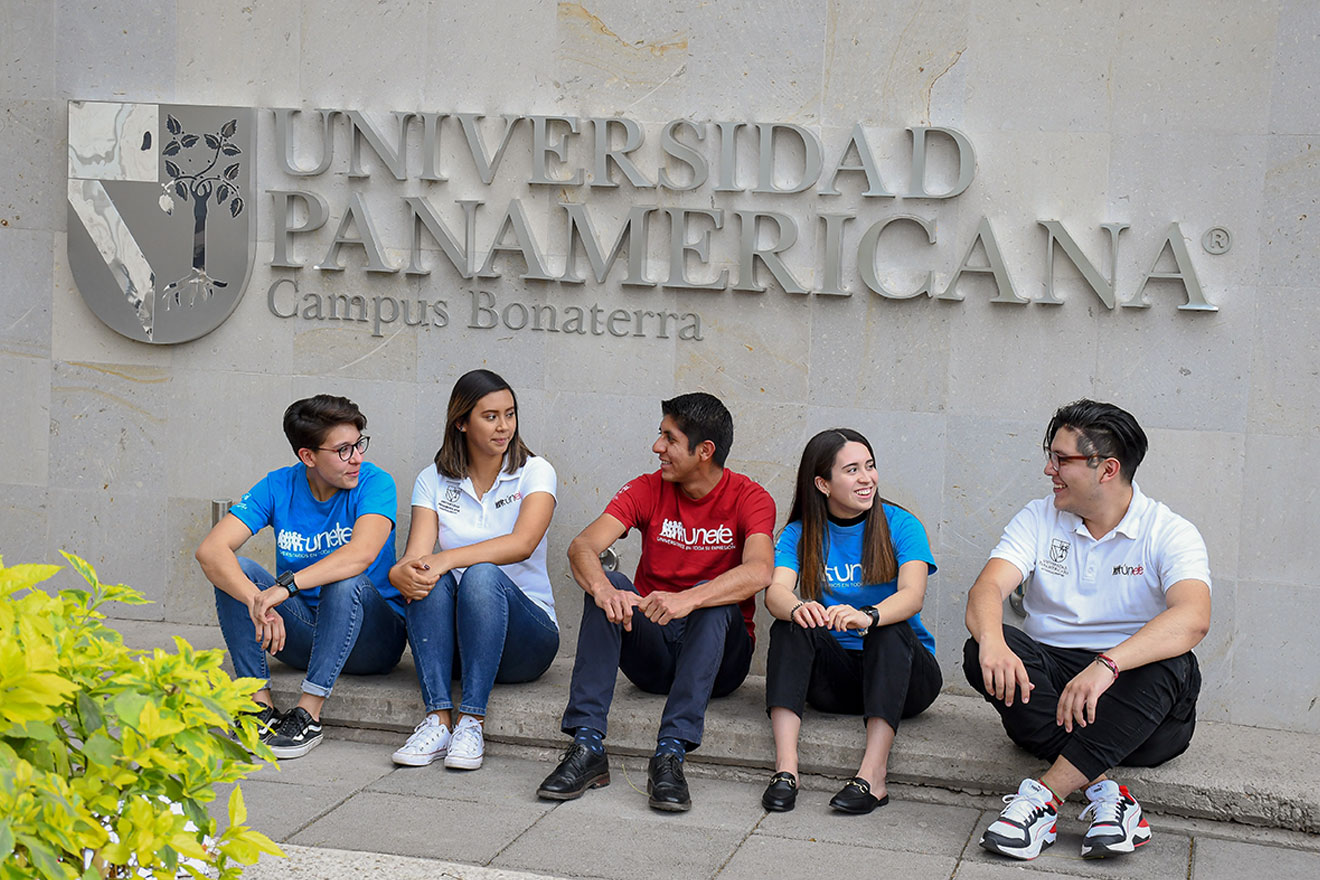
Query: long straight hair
810 506
451 460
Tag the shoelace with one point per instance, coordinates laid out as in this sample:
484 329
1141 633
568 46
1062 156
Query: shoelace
1106 810
466 737
1021 808
425 735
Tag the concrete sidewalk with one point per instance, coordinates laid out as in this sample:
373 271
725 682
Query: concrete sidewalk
346 811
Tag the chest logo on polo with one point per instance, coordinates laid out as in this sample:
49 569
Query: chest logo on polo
1057 563
449 501
1132 570
508 499
718 537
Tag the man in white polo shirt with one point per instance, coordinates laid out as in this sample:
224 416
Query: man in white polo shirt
1117 594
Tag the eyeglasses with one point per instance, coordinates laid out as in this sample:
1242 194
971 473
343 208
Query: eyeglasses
1054 459
345 452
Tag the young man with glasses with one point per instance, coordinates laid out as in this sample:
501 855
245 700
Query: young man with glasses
331 607
1117 594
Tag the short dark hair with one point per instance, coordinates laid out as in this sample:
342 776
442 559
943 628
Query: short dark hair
1103 430
451 460
307 421
702 417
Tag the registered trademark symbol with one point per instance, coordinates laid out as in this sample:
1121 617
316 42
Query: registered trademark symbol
1216 240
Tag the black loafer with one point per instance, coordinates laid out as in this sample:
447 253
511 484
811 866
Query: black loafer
579 769
666 785
856 797
781 794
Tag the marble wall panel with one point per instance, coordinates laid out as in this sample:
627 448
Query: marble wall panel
108 429
617 365
1217 652
945 612
1052 84
248 54
883 75
189 597
78 336
1285 363
993 467
25 307
768 437
24 516
122 533
25 398
27 47
367 59
752 64
1199 475
32 177
1278 534
224 432
1181 369
1294 108
1290 224
771 334
1275 677
111 50
493 61
1193 67
479 335
1156 177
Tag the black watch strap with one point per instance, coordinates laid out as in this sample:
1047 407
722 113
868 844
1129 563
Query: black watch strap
874 614
286 581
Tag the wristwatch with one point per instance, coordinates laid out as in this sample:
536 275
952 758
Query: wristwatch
873 613
286 581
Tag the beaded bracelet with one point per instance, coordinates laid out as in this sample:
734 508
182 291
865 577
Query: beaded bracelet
795 609
1107 661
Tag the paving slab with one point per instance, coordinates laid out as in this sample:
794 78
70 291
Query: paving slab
1233 860
499 782
762 857
311 863
905 826
277 810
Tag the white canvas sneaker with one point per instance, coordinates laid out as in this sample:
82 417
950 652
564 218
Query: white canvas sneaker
429 742
1117 825
1027 824
467 747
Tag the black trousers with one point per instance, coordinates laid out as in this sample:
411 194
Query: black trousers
891 678
1145 718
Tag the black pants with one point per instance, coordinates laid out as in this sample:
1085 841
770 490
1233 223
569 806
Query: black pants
892 677
706 654
1145 718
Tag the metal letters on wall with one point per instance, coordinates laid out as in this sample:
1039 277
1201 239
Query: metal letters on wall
162 230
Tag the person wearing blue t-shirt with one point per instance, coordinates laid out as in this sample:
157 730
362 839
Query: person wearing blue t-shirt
849 583
330 608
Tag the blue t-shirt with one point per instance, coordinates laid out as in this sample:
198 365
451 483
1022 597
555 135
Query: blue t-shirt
307 530
843 567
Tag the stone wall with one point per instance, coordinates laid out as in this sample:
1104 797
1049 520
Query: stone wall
1202 114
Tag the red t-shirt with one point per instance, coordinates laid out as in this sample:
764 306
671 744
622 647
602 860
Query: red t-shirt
685 542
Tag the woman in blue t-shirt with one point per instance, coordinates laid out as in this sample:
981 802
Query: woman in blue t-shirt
850 639
486 503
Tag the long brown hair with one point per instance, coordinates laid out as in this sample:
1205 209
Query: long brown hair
810 507
451 460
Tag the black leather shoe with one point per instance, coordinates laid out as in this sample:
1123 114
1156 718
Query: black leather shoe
781 794
579 769
856 797
666 785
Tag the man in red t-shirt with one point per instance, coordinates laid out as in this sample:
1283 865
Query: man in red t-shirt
685 628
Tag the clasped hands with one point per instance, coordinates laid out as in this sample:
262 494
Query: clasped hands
415 576
836 617
1006 676
659 607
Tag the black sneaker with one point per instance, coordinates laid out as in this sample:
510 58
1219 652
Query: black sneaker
666 785
579 769
297 734
268 720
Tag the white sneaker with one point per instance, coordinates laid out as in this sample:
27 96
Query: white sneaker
1027 824
1117 825
467 747
429 742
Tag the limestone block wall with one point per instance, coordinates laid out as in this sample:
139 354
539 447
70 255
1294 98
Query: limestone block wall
1203 114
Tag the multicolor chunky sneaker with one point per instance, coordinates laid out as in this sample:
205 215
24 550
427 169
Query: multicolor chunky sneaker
429 742
297 734
1027 824
1117 825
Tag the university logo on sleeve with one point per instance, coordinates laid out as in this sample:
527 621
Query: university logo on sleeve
161 228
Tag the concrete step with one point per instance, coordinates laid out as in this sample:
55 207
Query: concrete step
1231 772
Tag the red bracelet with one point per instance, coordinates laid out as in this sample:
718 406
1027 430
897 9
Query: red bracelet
1108 661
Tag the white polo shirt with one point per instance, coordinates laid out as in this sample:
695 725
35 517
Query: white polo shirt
466 520
1094 593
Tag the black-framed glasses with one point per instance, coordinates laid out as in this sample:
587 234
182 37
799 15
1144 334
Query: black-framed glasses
1054 459
345 452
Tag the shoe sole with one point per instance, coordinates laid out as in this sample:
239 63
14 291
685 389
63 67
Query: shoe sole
1100 851
286 752
596 782
459 763
669 806
1026 854
416 760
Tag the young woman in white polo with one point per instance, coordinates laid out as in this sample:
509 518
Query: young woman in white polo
486 504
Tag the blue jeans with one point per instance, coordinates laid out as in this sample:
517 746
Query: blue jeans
706 654
501 636
352 629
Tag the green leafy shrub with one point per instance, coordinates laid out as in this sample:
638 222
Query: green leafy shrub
108 755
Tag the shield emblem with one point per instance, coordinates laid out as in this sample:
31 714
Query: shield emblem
1059 550
161 229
